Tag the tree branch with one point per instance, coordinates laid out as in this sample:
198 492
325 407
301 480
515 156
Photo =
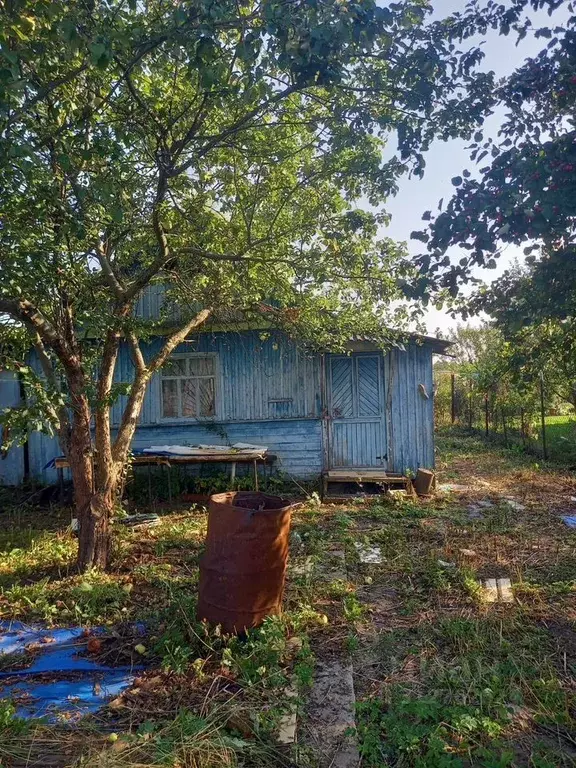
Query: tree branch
164 249
134 405
108 272
177 338
27 313
234 128
137 356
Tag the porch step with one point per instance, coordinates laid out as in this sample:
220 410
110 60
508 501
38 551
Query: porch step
347 483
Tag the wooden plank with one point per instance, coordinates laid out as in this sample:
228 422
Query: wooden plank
61 463
360 476
368 472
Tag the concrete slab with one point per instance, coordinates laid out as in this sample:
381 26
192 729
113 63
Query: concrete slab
474 512
333 566
498 591
514 504
331 715
454 488
368 554
300 567
505 593
491 591
287 727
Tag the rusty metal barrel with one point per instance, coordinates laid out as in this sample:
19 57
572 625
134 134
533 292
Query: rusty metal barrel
244 565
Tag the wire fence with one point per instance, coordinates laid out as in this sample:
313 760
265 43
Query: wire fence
528 421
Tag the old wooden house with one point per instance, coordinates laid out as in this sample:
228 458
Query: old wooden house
314 412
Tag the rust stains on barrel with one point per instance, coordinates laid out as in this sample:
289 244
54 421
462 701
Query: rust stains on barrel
243 568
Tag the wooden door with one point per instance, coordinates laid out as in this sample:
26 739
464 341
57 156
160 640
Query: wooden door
355 411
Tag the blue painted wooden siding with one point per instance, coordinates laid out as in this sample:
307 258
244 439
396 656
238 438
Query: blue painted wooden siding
257 378
270 394
410 414
296 442
12 465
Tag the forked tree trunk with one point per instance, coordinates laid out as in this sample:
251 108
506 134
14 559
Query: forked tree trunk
96 465
93 477
96 470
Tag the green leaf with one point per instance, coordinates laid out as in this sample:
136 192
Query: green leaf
97 51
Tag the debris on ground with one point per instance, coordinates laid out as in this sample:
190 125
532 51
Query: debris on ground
474 512
139 520
570 520
514 504
454 487
477 508
368 555
498 591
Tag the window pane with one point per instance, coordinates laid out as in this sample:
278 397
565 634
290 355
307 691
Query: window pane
170 398
206 397
201 366
175 366
189 398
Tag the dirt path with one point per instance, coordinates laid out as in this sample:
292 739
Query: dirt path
442 676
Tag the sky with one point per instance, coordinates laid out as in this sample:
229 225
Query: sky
448 159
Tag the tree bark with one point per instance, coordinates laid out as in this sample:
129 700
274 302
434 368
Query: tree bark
93 506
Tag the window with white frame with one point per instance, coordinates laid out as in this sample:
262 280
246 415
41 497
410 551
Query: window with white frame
189 387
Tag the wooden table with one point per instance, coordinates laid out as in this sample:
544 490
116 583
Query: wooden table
164 460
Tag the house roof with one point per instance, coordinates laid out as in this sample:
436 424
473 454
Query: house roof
259 318
439 346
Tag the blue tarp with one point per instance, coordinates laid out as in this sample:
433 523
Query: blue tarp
61 682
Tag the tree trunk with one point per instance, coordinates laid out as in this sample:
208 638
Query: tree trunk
97 469
93 491
94 535
94 498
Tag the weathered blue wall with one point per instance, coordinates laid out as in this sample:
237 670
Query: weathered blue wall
254 373
410 414
296 442
270 393
12 465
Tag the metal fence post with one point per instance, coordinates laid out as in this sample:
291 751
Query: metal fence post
486 423
543 420
453 397
504 428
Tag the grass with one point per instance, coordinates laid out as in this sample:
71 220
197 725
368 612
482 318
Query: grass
560 438
442 678
479 681
452 681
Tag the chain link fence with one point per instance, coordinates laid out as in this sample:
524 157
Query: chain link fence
530 421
